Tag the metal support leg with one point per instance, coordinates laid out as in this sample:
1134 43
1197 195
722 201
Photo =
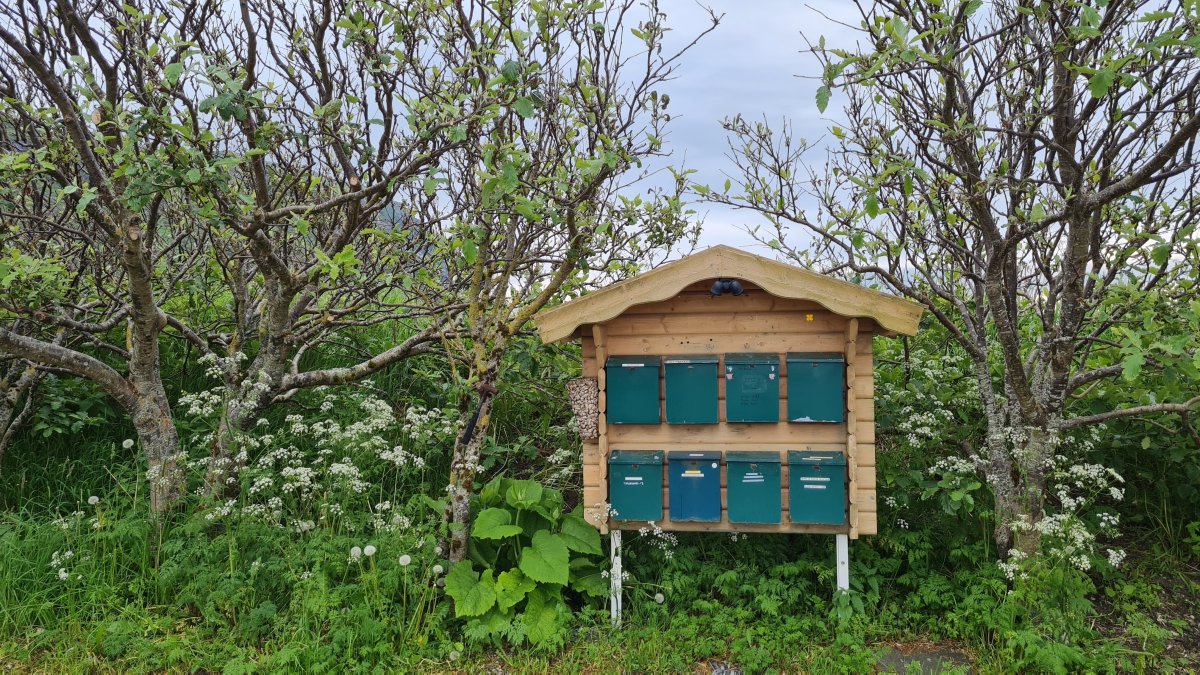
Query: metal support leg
843 562
614 576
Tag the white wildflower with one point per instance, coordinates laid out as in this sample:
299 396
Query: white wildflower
127 443
405 560
93 500
660 598
369 550
438 569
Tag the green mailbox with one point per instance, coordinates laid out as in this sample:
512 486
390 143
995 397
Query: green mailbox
635 483
754 493
751 387
631 388
691 389
817 487
816 387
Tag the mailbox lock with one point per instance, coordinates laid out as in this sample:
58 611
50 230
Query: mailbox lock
754 467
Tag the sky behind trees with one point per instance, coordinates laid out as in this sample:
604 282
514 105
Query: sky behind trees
753 65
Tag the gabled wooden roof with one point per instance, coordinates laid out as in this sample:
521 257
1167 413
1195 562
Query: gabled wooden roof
894 315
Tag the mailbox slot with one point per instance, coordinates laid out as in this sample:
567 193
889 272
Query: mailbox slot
753 487
817 487
691 389
752 387
816 387
635 484
631 389
695 485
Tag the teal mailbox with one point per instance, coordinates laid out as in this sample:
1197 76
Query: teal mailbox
635 483
691 389
817 487
695 489
816 387
752 387
754 494
631 389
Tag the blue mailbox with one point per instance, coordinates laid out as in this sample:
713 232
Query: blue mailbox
695 485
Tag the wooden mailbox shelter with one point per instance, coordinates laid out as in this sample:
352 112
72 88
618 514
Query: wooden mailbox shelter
669 311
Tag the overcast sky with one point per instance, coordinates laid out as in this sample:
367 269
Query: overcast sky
751 64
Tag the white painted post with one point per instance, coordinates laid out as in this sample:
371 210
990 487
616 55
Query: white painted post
843 562
614 575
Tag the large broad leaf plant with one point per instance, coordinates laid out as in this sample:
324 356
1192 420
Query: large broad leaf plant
527 564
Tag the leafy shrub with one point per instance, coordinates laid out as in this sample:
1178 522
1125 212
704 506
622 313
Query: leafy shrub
535 562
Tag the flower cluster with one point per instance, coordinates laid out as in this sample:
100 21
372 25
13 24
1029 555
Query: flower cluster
660 539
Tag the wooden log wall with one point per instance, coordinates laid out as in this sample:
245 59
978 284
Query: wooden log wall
695 323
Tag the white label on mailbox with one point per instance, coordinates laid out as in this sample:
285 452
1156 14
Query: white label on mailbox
814 479
693 474
634 480
814 487
753 478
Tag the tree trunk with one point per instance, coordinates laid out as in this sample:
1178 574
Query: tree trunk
16 400
463 468
160 443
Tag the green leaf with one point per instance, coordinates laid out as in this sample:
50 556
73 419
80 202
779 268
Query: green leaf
1161 254
1146 442
172 72
822 98
1038 213
523 494
541 617
524 107
588 578
872 205
1101 82
1131 367
547 559
494 524
511 588
510 71
579 536
473 593
470 251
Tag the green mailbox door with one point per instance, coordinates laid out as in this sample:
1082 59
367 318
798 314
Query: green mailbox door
691 389
631 389
816 387
695 480
817 487
752 387
635 482
754 494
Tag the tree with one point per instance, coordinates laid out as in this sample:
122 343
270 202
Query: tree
217 173
1027 171
541 200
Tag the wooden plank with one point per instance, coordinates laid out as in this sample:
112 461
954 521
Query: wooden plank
791 322
867 501
866 454
725 526
868 523
723 343
866 478
744 435
690 302
591 452
600 338
776 278
851 355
